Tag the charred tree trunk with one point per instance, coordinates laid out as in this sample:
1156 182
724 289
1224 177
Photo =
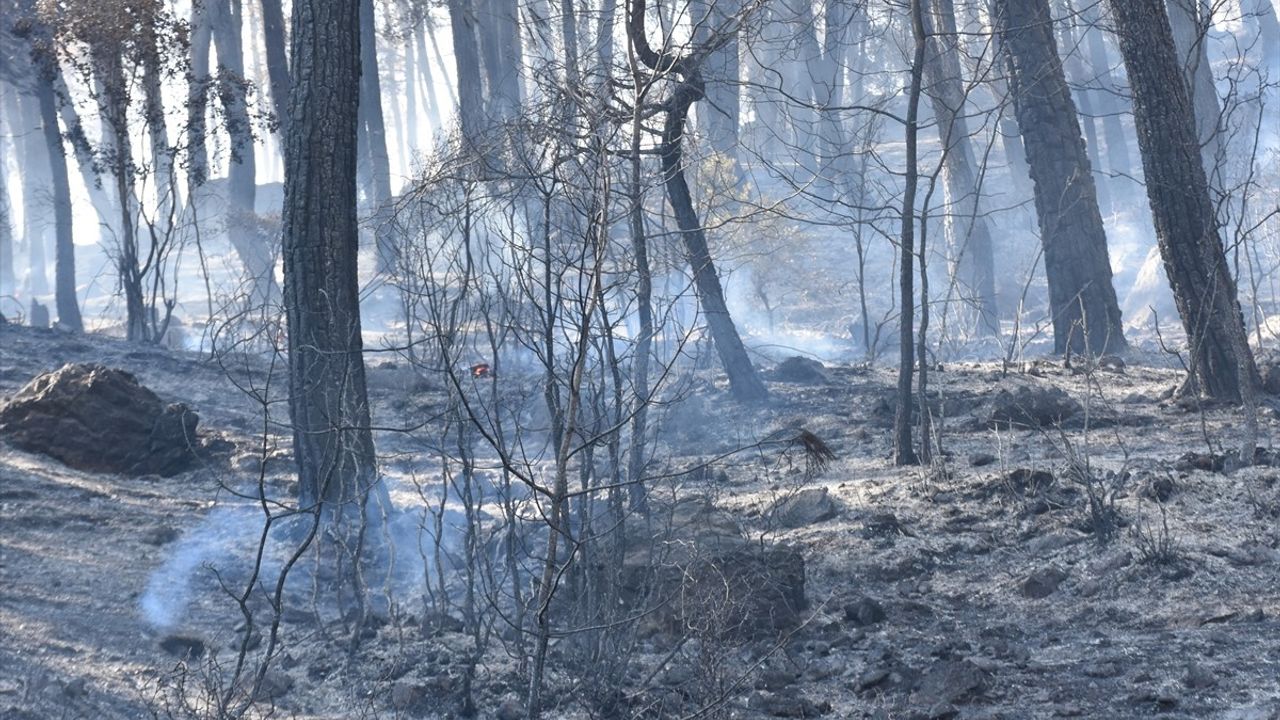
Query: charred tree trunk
277 61
333 443
198 83
466 54
1110 103
500 48
113 105
1075 72
719 116
972 255
1190 28
100 195
1086 315
1010 134
241 219
904 451
166 190
644 313
430 94
374 129
225 16
744 381
65 250
35 191
1222 364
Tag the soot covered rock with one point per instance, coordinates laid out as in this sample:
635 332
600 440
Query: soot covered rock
100 419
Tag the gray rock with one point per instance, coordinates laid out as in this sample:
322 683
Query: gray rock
1269 369
864 611
1030 406
1090 587
1199 677
39 315
786 705
406 695
99 419
981 459
75 688
950 682
775 679
806 507
1112 563
871 678
183 647
275 685
1053 541
1043 583
800 370
510 709
716 576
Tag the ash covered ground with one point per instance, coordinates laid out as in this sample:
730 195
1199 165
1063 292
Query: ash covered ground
975 587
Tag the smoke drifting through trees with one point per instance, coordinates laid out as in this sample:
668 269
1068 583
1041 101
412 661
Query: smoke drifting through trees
564 218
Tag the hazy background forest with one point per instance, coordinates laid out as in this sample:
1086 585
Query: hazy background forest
680 358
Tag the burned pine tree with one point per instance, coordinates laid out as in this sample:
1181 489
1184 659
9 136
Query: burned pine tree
1085 313
1221 363
45 62
372 135
277 61
466 55
333 443
1189 21
967 229
904 451
684 73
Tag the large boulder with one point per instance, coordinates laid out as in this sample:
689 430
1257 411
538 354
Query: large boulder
100 419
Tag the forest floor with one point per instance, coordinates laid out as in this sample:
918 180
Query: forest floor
975 587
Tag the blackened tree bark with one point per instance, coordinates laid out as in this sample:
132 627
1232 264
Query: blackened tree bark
967 228
273 35
162 155
35 192
904 451
1222 364
719 116
64 240
1010 135
333 443
466 54
688 88
374 129
1075 71
1109 101
107 57
500 50
831 91
225 17
198 83
430 100
104 204
1190 27
1086 316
